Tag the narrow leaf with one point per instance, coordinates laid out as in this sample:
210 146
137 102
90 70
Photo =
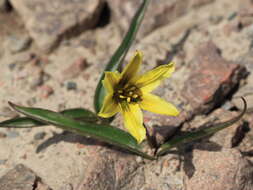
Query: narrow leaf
26 122
101 132
21 122
120 53
80 114
191 136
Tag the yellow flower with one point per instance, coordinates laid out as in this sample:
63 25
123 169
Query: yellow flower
128 93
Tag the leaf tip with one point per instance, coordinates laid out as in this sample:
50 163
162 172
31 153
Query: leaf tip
245 104
12 105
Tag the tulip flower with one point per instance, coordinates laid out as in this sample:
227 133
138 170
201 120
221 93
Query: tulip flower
129 92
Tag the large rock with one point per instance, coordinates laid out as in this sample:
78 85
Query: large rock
212 78
108 170
21 178
220 170
159 13
49 21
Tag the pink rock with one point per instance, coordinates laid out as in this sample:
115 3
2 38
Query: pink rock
46 91
212 78
74 69
220 170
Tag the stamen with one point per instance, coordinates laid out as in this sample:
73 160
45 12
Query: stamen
128 94
132 88
122 97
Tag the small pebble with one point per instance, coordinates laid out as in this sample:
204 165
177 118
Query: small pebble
31 101
74 70
18 43
12 134
12 66
46 91
3 161
2 135
39 136
36 76
215 19
71 85
232 16
139 159
67 187
19 59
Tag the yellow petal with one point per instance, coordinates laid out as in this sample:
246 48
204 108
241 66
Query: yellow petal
132 67
111 79
156 104
133 121
150 87
150 80
109 108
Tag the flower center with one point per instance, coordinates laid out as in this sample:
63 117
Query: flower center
129 94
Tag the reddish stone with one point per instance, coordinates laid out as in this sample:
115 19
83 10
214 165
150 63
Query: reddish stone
108 170
211 80
46 91
220 170
74 69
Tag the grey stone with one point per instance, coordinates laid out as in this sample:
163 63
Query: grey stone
39 136
18 43
71 85
12 134
159 13
2 162
57 19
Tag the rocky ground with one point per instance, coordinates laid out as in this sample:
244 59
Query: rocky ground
52 54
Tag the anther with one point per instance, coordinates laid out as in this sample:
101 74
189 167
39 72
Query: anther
133 88
130 93
135 96
121 96
120 91
128 99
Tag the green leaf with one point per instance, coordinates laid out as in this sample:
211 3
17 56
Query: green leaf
101 132
21 122
26 122
120 53
191 136
80 114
